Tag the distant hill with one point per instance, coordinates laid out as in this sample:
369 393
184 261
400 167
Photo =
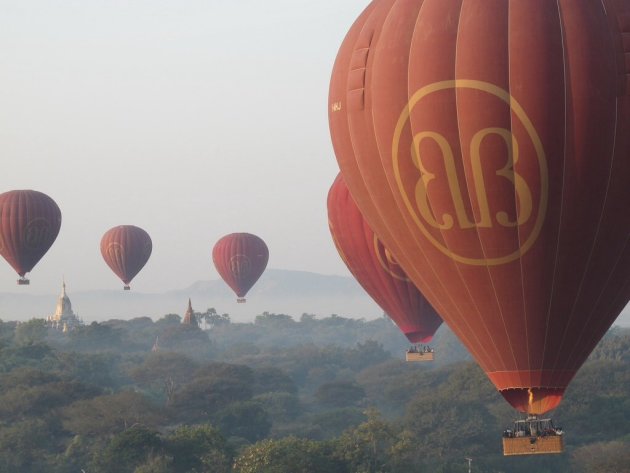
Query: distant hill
278 291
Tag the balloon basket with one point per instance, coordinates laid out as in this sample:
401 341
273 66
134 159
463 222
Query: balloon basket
414 357
241 300
126 288
533 436
23 282
415 354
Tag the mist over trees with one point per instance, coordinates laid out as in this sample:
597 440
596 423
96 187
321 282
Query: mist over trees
280 395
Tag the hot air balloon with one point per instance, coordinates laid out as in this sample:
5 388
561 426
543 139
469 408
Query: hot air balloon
240 259
126 249
377 271
29 224
486 140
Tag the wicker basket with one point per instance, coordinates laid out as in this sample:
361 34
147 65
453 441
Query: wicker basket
533 445
420 356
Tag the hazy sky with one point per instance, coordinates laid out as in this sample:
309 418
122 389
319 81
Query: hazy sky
190 119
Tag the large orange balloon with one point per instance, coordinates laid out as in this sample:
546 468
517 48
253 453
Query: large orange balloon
486 143
29 224
374 268
126 249
240 259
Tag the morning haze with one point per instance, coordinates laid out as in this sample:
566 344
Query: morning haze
189 119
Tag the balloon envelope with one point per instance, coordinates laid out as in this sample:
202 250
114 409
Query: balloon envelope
486 143
375 269
240 259
126 249
29 224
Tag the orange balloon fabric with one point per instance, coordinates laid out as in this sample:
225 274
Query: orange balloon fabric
240 259
374 268
486 143
126 249
29 224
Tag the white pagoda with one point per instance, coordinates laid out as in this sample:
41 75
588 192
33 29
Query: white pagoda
64 318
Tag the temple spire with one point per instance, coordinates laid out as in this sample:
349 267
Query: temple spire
189 317
64 317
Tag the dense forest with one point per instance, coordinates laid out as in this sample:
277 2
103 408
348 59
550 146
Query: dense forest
330 395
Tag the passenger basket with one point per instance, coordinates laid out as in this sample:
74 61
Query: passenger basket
421 356
533 436
533 445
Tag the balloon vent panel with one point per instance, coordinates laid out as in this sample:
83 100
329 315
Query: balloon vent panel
358 70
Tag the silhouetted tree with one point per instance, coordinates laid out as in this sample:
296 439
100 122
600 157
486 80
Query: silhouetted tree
214 319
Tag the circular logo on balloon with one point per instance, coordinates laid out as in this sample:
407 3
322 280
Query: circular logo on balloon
475 188
240 265
114 251
36 234
387 261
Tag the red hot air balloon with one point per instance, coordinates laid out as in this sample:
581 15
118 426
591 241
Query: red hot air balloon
126 249
486 143
240 259
29 224
375 269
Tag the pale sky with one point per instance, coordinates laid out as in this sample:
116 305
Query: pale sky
190 118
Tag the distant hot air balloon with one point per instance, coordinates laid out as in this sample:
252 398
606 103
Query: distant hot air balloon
486 142
126 249
240 259
376 270
29 224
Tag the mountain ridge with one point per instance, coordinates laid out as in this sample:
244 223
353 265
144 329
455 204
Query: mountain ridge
281 291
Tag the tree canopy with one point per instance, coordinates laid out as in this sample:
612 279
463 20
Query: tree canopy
278 395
